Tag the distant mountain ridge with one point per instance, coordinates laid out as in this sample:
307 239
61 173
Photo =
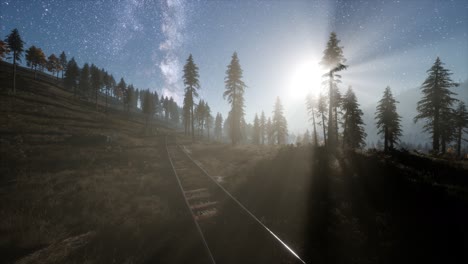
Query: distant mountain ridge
412 133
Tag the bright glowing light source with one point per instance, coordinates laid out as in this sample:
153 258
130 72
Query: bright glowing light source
306 79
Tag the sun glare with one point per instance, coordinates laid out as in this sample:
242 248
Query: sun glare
306 79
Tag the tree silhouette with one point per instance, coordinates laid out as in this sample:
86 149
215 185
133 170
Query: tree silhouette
165 106
4 50
208 119
279 124
121 90
435 105
157 103
84 82
53 64
353 126
35 57
270 132
332 61
263 129
148 106
192 84
71 76
234 93
106 81
311 108
187 112
388 120
256 130
306 138
63 62
200 116
218 129
461 123
322 110
15 44
96 80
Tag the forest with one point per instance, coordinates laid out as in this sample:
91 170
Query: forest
97 170
336 114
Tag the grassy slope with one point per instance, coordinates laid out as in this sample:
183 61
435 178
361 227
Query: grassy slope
68 195
360 208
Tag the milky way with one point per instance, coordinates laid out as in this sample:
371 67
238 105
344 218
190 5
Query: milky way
386 42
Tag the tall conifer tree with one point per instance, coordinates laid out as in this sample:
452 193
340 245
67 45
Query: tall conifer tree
436 103
353 126
234 93
388 120
192 84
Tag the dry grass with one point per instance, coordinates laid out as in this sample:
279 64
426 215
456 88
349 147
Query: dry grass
80 186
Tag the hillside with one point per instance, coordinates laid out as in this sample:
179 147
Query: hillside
79 185
353 208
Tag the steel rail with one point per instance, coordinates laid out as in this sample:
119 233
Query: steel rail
245 209
188 206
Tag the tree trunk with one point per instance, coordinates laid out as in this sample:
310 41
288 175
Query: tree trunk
191 119
107 95
324 133
436 132
315 129
96 96
386 139
331 122
459 137
14 72
336 124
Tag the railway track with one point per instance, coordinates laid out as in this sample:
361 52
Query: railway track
229 232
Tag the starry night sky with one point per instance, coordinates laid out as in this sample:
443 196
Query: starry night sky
147 42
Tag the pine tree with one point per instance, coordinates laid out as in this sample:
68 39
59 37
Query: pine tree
121 90
4 50
173 111
53 64
71 76
262 128
165 105
332 61
187 113
435 106
322 110
96 82
192 84
35 57
218 130
234 93
279 124
388 120
113 85
157 103
148 106
311 107
306 139
208 119
63 62
299 140
461 123
256 131
15 44
353 126
84 82
106 83
198 115
270 132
